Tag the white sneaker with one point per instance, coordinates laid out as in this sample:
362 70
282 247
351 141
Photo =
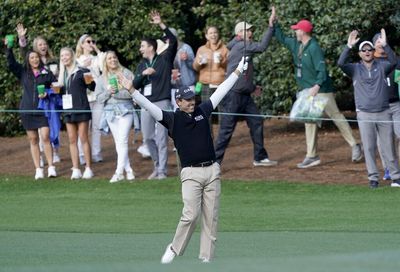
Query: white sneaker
130 175
168 256
205 260
153 175
265 162
39 173
143 149
51 172
76 173
161 176
88 174
117 177
97 158
56 158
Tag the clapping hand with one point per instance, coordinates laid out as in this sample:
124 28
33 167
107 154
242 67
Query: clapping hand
353 38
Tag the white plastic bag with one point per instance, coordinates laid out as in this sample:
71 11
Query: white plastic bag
308 108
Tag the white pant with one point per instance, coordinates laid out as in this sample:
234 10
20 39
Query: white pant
120 128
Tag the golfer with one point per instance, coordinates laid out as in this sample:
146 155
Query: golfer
188 126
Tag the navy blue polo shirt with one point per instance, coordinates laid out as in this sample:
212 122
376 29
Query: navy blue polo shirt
191 134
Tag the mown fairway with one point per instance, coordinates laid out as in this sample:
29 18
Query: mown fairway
59 225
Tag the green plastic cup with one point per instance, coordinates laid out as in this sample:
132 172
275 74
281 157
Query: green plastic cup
397 76
40 89
113 83
10 40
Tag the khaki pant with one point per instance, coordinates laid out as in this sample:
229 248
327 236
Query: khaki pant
340 121
201 189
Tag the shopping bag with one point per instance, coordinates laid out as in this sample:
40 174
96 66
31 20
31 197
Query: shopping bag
308 108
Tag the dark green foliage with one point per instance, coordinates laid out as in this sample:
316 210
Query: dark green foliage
119 25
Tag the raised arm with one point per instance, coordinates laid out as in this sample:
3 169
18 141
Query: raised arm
391 56
14 66
258 47
228 83
343 61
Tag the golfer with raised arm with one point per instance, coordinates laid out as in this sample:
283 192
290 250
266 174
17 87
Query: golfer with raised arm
189 128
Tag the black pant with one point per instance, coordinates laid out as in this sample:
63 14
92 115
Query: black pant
238 103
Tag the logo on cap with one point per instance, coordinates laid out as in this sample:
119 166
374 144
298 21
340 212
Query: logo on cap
184 93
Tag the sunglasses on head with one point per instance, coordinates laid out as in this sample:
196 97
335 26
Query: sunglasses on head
367 50
91 41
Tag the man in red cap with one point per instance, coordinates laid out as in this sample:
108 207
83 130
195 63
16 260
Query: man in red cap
311 73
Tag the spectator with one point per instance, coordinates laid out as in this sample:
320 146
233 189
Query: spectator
85 48
311 72
372 103
394 103
153 78
75 100
210 63
183 73
31 75
40 46
239 100
118 112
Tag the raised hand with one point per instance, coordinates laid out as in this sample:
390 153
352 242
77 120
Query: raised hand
382 38
353 38
272 18
155 17
21 30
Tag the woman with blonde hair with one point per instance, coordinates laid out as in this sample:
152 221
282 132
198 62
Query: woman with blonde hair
78 113
85 48
118 111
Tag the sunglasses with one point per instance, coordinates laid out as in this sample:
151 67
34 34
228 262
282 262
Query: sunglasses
367 50
91 41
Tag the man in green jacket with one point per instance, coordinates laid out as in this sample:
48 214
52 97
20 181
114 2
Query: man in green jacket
311 73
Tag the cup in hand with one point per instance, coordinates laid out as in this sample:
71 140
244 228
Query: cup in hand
113 82
88 77
203 59
40 89
10 40
56 87
175 74
217 57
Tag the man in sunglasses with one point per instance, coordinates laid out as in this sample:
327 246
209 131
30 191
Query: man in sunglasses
311 73
372 103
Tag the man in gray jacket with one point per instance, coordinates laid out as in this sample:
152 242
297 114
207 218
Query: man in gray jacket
372 104
239 100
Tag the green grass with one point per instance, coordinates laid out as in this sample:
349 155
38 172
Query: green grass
59 225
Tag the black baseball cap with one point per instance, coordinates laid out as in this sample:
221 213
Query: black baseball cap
184 93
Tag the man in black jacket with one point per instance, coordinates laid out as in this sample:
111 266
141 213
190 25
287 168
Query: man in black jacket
153 78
